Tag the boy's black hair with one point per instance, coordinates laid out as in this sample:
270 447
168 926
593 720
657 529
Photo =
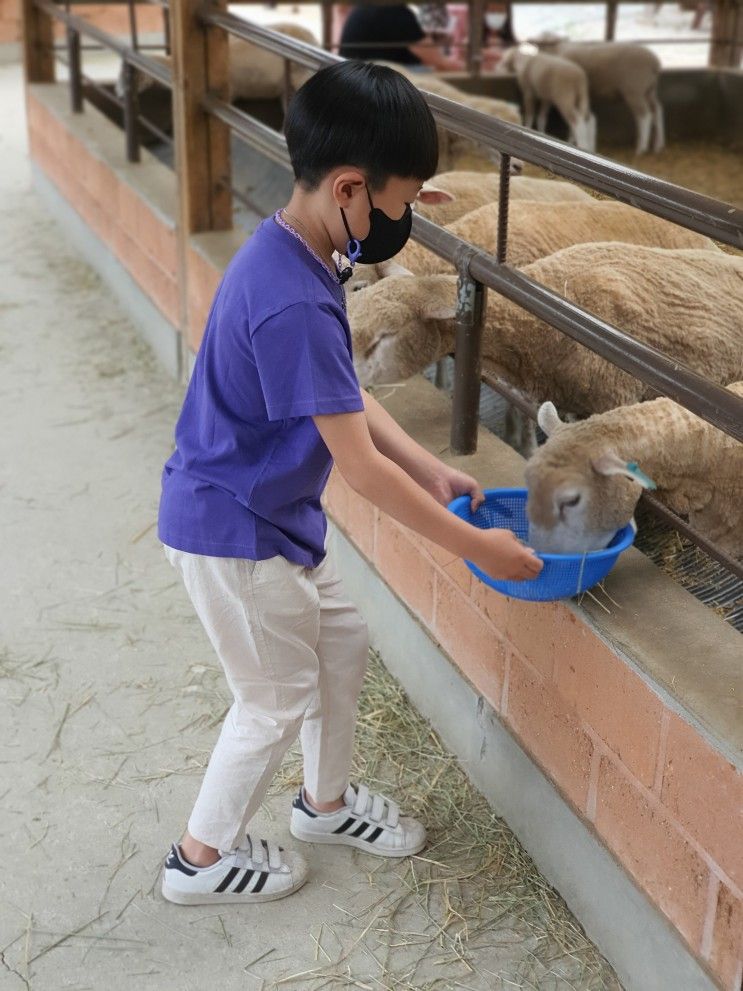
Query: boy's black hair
365 115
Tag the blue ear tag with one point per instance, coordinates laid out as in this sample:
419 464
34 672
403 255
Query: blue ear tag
639 475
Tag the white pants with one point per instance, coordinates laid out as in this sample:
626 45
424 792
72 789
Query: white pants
294 652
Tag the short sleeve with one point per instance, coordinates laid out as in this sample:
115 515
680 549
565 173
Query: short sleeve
304 363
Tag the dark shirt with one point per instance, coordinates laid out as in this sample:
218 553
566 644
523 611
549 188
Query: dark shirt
381 24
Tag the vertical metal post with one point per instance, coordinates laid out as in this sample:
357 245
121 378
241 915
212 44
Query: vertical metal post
471 302
76 81
133 25
503 195
131 111
166 30
610 28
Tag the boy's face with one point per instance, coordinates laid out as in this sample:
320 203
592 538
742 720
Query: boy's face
348 188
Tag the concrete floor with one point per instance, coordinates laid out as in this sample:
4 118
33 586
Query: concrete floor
109 694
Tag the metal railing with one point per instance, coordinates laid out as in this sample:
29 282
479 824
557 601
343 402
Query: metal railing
480 271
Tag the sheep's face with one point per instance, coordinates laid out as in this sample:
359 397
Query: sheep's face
580 492
400 325
573 507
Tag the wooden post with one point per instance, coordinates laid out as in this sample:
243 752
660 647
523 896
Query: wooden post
38 44
326 9
202 143
726 49
477 26
611 19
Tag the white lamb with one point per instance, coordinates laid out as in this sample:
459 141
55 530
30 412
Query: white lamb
584 482
551 80
619 69
536 230
255 74
686 303
449 195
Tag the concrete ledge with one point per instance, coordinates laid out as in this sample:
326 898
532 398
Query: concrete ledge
640 944
161 335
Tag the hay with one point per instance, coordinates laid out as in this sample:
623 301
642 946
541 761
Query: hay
473 895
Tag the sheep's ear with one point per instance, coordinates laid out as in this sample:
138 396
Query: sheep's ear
385 270
548 418
433 196
609 463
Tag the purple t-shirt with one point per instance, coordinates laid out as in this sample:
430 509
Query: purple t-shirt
250 466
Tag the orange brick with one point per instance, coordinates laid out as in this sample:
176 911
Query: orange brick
404 567
705 793
459 573
360 523
648 843
609 696
439 554
103 185
530 628
470 639
726 956
549 730
494 605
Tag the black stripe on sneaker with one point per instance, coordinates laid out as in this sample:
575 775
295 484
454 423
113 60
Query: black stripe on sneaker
300 804
372 836
259 883
227 879
344 827
243 882
360 829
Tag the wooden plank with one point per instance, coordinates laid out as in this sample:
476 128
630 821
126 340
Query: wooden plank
202 143
38 42
726 48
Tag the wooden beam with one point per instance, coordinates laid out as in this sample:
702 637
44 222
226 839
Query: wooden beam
610 28
726 48
38 44
202 143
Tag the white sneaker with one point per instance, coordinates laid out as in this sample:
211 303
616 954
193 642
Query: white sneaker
260 872
370 822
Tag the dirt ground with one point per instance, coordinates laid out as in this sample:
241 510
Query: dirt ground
110 701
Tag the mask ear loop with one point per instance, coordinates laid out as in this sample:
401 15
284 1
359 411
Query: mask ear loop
353 251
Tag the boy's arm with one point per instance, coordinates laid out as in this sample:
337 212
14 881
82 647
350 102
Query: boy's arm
443 482
380 480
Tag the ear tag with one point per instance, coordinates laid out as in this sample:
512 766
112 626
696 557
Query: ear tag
639 475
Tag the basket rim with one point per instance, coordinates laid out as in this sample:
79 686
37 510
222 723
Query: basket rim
627 532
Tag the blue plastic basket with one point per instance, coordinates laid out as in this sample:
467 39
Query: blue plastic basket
563 575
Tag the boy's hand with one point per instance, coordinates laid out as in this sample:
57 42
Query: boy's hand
502 555
447 483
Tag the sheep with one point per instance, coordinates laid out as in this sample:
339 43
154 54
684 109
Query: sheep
686 303
550 79
584 483
449 195
539 229
619 69
452 147
255 74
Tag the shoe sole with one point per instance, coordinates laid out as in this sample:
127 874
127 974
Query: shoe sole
355 841
223 897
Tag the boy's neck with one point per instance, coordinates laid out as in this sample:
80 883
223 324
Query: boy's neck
301 214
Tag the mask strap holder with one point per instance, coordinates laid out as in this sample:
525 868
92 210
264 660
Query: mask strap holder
353 251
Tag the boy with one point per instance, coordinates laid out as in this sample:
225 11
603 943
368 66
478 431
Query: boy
272 402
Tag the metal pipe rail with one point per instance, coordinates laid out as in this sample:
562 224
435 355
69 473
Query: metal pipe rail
692 210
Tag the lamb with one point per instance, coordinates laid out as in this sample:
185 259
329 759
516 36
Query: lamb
619 69
452 147
686 303
550 80
539 229
584 482
255 74
449 195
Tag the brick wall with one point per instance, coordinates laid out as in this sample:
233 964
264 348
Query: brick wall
668 806
140 237
111 17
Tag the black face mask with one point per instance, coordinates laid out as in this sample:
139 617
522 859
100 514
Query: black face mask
385 238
